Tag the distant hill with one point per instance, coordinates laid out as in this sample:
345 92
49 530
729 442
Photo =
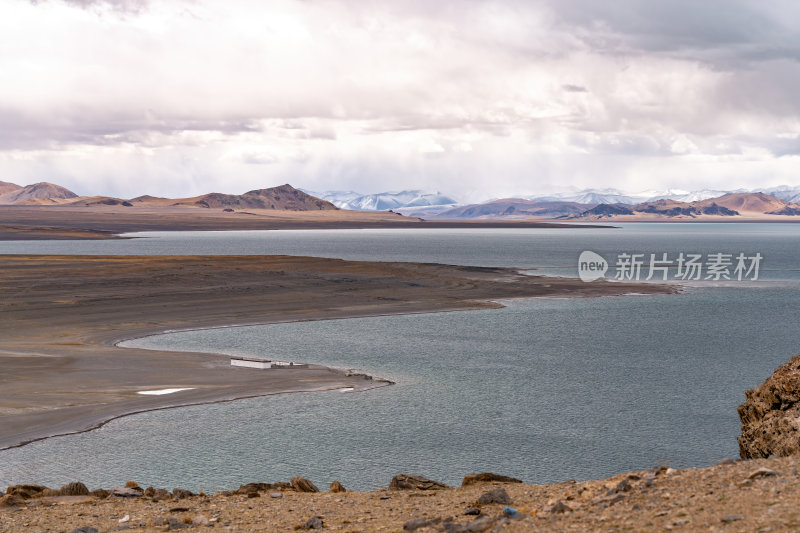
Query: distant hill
515 207
284 197
34 193
728 205
6 187
748 202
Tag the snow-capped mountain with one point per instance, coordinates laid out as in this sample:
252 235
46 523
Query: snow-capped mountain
614 196
589 196
385 200
785 192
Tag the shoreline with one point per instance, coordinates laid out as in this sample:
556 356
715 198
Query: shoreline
62 317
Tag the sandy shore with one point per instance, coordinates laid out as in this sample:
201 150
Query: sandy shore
61 316
21 222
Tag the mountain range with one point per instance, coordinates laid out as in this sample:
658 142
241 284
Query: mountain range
284 197
385 200
588 204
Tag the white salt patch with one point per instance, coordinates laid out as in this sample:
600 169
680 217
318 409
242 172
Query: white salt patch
159 392
348 389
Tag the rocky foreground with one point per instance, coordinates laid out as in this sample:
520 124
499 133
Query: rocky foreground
751 495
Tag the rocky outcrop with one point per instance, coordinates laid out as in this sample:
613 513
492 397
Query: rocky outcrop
336 487
487 477
301 484
771 415
74 489
412 482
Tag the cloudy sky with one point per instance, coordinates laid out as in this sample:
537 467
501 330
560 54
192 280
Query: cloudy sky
474 98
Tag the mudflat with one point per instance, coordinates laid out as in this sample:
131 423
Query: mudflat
61 316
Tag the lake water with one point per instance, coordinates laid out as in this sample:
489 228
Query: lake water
544 389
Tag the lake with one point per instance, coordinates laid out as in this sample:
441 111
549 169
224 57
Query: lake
544 389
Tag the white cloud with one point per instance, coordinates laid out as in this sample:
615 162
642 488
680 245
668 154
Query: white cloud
116 96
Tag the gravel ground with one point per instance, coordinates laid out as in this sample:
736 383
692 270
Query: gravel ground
757 495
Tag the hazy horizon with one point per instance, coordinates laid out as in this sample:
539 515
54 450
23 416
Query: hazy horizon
476 98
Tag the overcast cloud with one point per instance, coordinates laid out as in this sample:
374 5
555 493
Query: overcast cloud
474 98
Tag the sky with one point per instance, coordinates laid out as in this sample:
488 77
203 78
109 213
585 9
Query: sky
476 99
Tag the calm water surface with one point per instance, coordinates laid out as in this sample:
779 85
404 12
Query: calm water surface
546 389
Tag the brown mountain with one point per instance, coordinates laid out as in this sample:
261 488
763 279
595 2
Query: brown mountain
284 197
516 207
728 205
6 187
757 202
36 192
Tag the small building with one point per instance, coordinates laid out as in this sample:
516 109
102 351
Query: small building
250 362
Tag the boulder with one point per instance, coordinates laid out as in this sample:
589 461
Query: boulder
76 488
161 495
100 494
126 492
49 493
11 500
301 484
181 494
770 415
487 477
337 487
314 522
25 491
497 495
412 482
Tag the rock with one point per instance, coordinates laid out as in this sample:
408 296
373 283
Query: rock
418 523
76 488
560 507
85 529
497 495
175 523
126 492
337 487
276 495
161 495
487 477
726 461
412 482
124 519
770 415
472 511
149 492
11 500
480 524
200 520
252 487
49 493
301 484
282 485
314 522
731 518
181 494
761 472
622 486
25 491
131 485
100 494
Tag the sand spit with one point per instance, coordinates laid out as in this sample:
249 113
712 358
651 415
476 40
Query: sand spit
22 222
60 317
